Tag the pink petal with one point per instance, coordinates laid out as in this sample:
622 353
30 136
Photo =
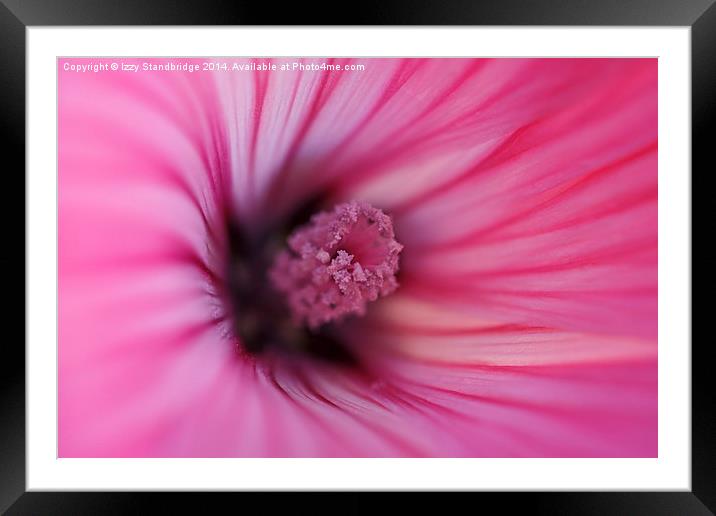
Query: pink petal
525 194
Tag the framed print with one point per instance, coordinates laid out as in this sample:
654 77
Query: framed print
387 256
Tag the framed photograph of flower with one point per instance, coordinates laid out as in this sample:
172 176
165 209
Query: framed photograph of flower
446 258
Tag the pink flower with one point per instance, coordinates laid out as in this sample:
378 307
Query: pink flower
511 310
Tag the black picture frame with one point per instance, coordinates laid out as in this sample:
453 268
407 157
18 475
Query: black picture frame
17 15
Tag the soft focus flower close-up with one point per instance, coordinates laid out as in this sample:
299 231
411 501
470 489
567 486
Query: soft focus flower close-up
407 258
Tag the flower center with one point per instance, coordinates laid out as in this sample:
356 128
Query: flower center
337 263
